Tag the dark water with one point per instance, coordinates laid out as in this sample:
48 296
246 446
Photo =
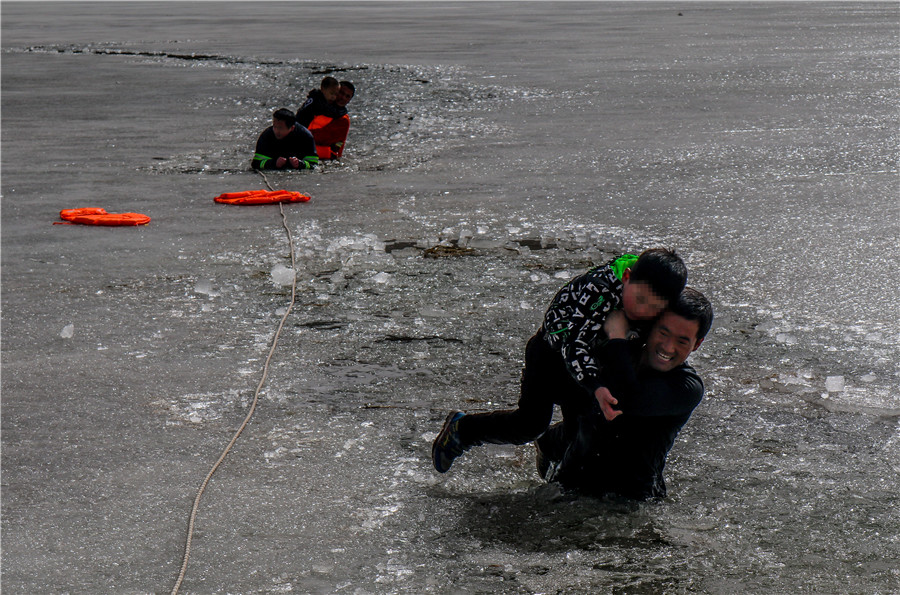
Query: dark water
759 139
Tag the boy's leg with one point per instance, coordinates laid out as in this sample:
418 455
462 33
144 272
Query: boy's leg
545 382
516 426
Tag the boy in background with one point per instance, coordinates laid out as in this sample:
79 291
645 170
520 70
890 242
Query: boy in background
320 102
329 131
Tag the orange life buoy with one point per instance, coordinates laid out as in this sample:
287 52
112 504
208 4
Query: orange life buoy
98 216
260 197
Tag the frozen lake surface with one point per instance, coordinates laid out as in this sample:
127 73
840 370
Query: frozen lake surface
528 141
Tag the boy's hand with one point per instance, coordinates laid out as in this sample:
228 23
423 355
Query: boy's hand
295 163
279 163
606 400
616 325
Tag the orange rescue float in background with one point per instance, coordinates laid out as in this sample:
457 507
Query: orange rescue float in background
97 216
260 197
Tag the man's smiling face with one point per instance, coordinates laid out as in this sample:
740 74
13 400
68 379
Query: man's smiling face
671 341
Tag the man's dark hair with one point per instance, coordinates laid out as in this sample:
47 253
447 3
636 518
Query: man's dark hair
693 305
285 115
349 85
663 270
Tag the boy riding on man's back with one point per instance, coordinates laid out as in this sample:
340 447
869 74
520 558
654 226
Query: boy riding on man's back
559 356
320 102
625 454
329 122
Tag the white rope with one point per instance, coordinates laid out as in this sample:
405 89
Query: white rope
190 534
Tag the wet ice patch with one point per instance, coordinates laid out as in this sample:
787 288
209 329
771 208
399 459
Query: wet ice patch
361 243
201 407
281 275
348 445
892 449
825 351
834 384
786 338
878 401
205 287
374 518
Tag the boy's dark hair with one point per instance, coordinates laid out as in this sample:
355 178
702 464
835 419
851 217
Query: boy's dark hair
693 305
349 85
285 115
663 270
329 81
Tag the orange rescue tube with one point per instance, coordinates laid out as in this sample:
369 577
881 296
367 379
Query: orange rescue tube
69 214
98 216
260 197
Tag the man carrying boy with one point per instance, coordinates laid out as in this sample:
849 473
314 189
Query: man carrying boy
331 127
560 368
284 145
321 102
624 450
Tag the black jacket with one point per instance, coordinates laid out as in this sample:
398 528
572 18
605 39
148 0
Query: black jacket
627 455
298 143
317 105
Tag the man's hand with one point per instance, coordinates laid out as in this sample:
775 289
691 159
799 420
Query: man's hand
616 325
606 400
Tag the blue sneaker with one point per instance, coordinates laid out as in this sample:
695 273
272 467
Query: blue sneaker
447 446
